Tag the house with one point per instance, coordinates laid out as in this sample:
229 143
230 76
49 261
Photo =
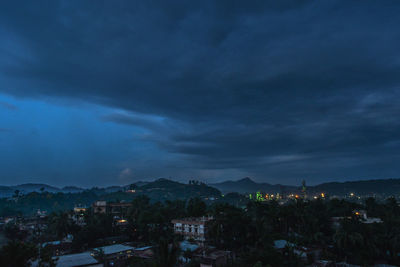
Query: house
119 209
74 260
187 246
305 253
59 247
211 257
114 255
192 228
78 260
323 263
144 252
79 215
99 207
362 214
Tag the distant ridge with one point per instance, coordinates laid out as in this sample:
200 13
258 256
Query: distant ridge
71 189
364 187
8 191
247 185
242 186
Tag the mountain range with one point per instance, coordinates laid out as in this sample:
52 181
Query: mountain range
8 191
362 187
245 185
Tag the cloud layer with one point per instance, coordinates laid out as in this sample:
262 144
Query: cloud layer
279 90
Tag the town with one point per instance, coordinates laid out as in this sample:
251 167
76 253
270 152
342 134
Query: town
295 229
223 133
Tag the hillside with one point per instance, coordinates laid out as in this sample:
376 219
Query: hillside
164 189
246 185
364 187
159 190
8 191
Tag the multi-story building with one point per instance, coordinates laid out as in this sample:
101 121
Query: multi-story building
79 215
99 207
115 255
115 208
192 228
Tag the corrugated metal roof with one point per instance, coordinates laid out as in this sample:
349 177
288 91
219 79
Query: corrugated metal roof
114 249
76 260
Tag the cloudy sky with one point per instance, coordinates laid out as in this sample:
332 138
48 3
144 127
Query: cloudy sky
110 92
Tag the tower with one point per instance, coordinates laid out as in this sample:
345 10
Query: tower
304 189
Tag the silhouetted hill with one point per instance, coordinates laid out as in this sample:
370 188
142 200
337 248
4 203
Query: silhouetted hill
25 188
162 183
246 185
163 189
72 189
364 187
140 183
115 188
8 191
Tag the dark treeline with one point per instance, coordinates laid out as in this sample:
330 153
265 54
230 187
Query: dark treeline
249 232
159 190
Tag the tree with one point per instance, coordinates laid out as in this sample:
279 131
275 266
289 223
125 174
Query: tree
16 194
17 254
46 258
61 224
12 231
187 254
196 207
230 228
166 254
101 257
348 241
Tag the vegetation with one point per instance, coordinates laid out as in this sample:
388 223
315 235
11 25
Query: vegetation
249 231
159 190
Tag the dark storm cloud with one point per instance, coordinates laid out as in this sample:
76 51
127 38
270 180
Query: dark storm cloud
274 88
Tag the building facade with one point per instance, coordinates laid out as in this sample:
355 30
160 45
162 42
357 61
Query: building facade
192 228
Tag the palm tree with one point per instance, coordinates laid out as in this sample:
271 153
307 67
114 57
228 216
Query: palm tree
17 254
101 257
347 242
62 224
166 254
187 254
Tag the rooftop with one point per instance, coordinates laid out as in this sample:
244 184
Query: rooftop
194 219
117 248
185 245
143 248
76 260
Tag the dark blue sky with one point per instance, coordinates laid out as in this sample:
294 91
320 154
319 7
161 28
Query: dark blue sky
110 92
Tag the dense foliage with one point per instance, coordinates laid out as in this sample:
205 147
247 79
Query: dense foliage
159 190
249 232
